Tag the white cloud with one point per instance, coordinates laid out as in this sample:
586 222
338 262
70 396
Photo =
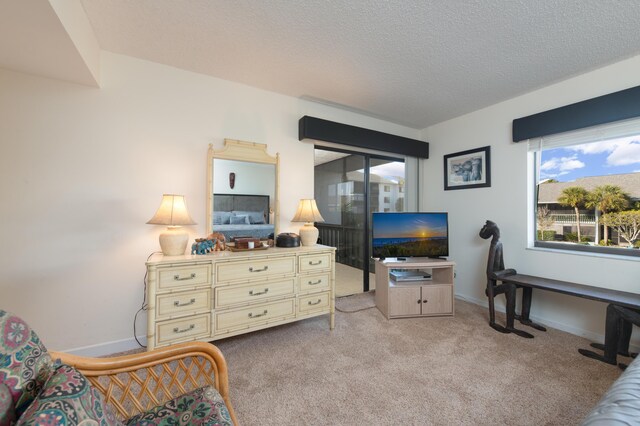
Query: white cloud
394 168
626 154
596 147
622 151
549 164
569 164
562 164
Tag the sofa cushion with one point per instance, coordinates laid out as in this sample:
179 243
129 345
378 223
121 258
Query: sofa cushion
203 406
7 410
68 399
620 405
25 364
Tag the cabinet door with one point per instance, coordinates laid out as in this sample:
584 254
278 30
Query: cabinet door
437 299
404 301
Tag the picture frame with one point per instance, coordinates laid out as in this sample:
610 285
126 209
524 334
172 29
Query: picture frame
468 169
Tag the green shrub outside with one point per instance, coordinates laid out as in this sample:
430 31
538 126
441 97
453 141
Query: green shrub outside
546 235
605 243
573 237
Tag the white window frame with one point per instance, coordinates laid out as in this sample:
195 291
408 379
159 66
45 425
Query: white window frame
618 129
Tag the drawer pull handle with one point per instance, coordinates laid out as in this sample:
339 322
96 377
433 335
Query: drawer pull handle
314 282
190 302
190 277
251 315
319 262
258 270
251 293
314 303
184 330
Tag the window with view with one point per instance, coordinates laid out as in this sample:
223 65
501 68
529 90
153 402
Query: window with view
588 190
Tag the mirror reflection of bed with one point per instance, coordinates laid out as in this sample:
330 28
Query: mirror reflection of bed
242 188
238 215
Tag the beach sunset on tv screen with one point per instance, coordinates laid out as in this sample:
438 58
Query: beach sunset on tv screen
410 235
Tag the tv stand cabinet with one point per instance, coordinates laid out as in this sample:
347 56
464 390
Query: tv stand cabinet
419 298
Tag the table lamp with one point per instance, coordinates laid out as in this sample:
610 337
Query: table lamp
308 212
173 213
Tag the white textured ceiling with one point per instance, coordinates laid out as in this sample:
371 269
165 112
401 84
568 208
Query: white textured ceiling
414 62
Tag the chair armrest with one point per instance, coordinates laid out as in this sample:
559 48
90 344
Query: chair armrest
135 383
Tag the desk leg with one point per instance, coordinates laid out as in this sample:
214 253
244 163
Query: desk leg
623 341
612 335
617 335
527 293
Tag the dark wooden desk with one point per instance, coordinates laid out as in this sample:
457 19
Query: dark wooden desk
620 298
619 318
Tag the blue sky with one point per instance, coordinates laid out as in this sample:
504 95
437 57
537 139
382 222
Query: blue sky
408 225
610 157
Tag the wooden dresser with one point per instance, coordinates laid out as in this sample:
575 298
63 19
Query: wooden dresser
228 293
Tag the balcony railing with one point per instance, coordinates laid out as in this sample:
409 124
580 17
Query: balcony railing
568 218
348 241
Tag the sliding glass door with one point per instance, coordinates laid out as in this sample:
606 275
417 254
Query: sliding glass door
349 186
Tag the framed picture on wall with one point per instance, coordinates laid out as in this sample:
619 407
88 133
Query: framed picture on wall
468 169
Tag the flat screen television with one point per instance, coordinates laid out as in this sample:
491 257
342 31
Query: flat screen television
402 235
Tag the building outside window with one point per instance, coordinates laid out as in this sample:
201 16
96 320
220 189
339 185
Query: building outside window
387 188
387 200
588 189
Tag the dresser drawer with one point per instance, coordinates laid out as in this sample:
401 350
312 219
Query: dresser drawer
184 276
314 282
254 269
313 302
183 303
186 328
255 315
314 262
233 295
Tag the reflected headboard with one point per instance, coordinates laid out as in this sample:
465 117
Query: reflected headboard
242 215
244 203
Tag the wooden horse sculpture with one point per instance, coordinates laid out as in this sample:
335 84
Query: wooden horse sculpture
495 271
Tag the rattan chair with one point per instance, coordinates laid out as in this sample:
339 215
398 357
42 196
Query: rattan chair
134 384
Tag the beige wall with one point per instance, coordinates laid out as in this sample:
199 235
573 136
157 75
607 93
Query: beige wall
82 170
506 203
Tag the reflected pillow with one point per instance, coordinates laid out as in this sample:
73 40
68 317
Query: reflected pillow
240 220
255 217
221 218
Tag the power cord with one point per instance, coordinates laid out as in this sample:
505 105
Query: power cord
354 311
145 305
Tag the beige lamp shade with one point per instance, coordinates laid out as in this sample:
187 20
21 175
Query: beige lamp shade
308 212
173 213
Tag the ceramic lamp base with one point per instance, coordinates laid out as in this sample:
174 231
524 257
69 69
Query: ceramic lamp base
308 235
173 241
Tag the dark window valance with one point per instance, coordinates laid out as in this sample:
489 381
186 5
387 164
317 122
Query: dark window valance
603 109
345 134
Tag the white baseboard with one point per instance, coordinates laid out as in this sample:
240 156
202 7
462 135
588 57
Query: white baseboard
108 348
634 346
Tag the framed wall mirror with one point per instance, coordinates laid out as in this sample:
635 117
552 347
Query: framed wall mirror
242 190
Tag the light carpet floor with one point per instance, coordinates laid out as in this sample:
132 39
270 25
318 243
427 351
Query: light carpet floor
419 371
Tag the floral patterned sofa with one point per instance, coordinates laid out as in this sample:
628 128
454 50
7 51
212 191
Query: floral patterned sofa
184 384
